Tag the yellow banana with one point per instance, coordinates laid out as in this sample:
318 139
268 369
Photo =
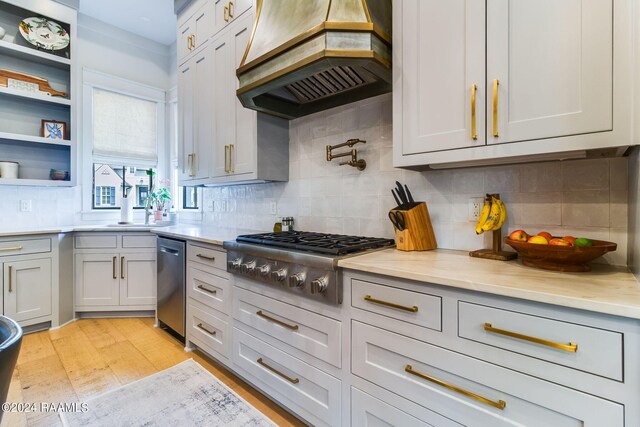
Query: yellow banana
494 215
484 214
503 215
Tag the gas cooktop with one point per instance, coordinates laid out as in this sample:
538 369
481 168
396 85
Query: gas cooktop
320 243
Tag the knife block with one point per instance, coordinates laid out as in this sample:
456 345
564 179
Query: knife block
418 232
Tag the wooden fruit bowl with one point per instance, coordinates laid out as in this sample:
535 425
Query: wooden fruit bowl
560 258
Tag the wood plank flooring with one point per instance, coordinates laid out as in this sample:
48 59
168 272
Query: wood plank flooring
92 356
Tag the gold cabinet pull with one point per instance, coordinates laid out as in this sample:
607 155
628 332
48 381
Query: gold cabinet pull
193 164
500 404
113 267
276 321
15 248
474 130
209 331
496 83
230 9
122 267
210 291
372 300
193 41
231 158
208 258
226 158
226 13
189 163
10 279
189 47
570 347
277 372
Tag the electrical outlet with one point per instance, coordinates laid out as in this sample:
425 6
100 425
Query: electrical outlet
273 207
25 205
209 206
475 207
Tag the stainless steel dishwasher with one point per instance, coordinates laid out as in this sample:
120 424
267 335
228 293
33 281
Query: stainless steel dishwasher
171 284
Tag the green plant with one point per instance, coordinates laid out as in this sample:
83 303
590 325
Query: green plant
160 198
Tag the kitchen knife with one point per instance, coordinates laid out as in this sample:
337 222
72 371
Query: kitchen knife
409 195
396 197
401 193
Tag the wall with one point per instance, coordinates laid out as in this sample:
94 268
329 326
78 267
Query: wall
584 198
108 49
634 211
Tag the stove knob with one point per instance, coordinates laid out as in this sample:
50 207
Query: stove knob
235 264
319 286
248 267
279 275
264 270
297 280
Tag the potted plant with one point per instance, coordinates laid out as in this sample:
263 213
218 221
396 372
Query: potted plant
159 200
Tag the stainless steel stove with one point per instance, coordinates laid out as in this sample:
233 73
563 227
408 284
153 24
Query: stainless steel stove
302 262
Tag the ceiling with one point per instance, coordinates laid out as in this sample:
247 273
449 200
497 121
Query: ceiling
152 19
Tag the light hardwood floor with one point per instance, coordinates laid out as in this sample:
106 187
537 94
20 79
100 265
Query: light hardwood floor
92 356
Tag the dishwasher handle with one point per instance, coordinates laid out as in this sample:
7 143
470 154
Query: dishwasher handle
169 251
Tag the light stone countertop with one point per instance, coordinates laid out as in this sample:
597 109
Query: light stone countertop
605 289
30 231
204 234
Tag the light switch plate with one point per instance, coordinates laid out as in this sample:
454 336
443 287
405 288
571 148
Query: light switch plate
273 207
25 205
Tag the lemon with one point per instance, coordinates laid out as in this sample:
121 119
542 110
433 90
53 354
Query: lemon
583 241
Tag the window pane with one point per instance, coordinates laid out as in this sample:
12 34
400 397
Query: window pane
124 127
107 185
189 198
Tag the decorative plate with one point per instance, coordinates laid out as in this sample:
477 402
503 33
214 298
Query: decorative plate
44 34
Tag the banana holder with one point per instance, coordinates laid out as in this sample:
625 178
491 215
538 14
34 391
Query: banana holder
496 252
418 232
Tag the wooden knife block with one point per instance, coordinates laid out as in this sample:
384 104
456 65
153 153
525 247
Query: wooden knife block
418 232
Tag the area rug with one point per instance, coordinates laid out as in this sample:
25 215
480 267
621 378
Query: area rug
183 395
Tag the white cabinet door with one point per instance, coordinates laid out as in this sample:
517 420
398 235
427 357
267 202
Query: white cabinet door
442 57
186 146
202 92
138 279
185 33
96 280
554 62
27 289
223 110
243 152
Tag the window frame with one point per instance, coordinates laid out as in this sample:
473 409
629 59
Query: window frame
95 79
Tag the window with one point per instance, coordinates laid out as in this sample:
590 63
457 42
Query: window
189 198
189 195
124 129
108 181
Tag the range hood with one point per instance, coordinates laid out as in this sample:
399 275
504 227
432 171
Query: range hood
311 55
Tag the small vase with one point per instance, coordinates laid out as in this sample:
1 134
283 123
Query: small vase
157 215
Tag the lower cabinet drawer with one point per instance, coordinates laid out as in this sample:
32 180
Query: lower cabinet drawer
207 256
24 247
208 330
312 333
584 348
471 391
96 241
311 393
209 289
138 240
368 411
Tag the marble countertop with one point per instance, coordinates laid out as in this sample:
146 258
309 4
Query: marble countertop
29 231
205 234
605 289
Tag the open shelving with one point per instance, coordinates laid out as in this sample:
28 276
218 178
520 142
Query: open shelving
22 112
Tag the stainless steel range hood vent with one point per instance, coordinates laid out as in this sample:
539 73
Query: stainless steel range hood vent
311 55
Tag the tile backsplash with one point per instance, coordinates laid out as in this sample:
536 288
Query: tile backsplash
580 197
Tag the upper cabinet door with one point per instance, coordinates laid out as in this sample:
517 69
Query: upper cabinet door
243 151
202 93
186 147
442 65
185 40
223 110
551 64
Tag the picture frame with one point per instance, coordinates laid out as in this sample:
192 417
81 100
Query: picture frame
53 129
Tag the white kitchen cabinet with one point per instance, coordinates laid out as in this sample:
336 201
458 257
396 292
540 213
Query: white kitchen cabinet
551 77
227 11
118 279
138 279
96 280
194 31
554 64
27 289
195 128
29 279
